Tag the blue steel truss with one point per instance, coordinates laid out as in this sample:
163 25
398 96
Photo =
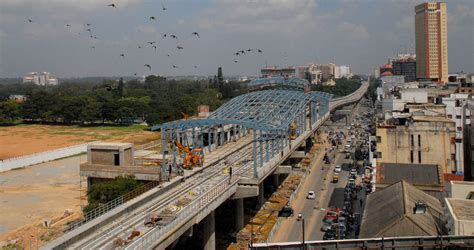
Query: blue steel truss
292 82
271 111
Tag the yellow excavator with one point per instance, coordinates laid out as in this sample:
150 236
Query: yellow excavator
194 157
293 130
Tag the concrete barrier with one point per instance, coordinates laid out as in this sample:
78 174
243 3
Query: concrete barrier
36 158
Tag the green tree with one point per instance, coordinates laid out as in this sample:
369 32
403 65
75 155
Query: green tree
104 192
9 111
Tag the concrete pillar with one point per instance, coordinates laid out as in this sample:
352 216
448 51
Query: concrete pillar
239 214
260 199
209 232
276 180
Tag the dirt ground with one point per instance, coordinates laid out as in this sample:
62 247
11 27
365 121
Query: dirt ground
28 139
43 191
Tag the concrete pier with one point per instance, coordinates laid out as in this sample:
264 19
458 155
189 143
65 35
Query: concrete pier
239 214
209 232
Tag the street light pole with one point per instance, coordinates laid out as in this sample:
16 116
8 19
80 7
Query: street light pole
302 229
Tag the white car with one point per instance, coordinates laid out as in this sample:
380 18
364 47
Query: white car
353 171
311 195
338 168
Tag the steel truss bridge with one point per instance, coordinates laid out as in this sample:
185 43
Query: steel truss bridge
250 133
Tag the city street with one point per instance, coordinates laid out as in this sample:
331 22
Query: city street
328 194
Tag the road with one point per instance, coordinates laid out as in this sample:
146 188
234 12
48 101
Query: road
327 193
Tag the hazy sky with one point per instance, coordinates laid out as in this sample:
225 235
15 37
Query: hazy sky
358 33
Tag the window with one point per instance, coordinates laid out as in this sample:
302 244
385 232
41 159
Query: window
419 156
419 140
450 116
458 117
412 141
379 154
379 139
459 128
411 156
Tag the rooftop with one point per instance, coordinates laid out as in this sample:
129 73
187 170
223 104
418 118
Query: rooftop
463 209
389 212
425 118
416 174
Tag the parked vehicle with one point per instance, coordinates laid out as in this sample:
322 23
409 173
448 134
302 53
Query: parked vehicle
338 168
326 226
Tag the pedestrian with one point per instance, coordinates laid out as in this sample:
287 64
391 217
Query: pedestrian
360 202
230 174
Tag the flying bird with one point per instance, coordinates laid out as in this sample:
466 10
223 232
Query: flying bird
152 18
112 5
122 55
237 54
93 47
235 61
168 55
135 74
164 36
260 51
30 21
163 7
248 50
68 25
174 66
139 46
196 34
179 47
242 52
88 24
173 36
151 43
148 66
154 46
195 66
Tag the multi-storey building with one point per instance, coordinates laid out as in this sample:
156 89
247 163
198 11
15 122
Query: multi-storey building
418 139
431 34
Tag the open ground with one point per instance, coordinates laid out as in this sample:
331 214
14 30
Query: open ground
28 139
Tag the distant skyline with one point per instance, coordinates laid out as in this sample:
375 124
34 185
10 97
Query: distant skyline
359 33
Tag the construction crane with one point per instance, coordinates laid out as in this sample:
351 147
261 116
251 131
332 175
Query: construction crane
185 116
194 157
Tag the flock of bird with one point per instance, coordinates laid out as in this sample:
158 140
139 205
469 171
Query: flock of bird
153 44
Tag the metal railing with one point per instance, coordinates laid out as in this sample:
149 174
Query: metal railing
104 208
149 239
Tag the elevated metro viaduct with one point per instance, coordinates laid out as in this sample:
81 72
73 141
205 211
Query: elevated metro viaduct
259 123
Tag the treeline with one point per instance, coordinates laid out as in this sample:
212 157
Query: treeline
344 86
155 100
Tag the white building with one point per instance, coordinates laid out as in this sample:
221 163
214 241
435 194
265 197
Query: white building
459 216
455 111
41 79
342 71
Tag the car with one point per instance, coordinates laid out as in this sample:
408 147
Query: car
311 195
341 220
331 216
335 178
353 171
326 226
338 168
329 235
286 211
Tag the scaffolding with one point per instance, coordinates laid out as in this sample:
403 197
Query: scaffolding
267 115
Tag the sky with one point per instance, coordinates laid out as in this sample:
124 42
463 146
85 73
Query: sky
359 33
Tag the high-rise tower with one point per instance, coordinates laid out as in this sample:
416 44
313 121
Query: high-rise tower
431 31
